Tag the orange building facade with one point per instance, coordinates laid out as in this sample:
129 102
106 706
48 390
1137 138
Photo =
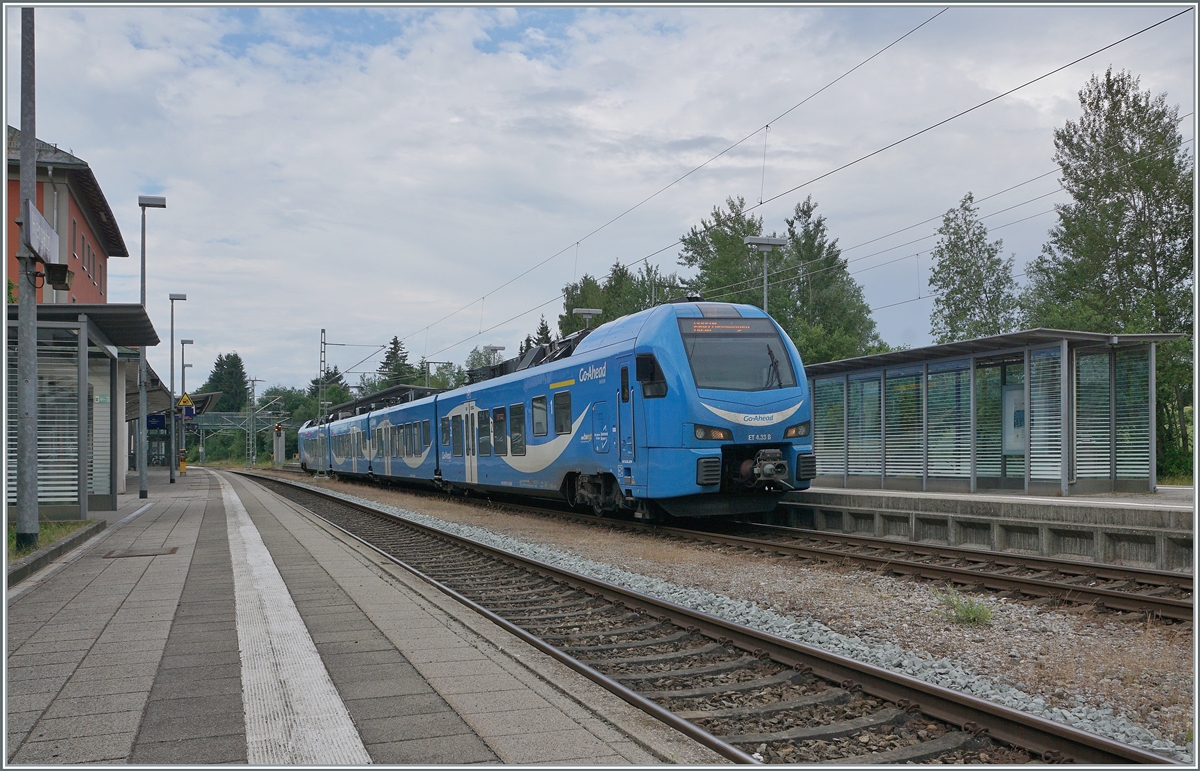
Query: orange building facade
70 199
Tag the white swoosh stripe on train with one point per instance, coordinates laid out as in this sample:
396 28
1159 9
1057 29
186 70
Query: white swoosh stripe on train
745 419
539 456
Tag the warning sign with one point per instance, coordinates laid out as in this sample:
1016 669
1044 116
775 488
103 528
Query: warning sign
185 401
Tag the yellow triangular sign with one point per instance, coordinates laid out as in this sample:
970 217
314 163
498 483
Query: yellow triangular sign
185 401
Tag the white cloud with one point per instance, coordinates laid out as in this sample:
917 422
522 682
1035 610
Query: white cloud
371 172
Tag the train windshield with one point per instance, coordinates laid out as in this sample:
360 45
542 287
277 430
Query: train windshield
736 354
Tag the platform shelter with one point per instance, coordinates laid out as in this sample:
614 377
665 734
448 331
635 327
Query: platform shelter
1042 411
82 396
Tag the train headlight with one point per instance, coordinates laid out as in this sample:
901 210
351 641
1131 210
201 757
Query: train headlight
708 432
799 430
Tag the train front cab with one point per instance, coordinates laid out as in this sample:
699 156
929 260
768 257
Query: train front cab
737 435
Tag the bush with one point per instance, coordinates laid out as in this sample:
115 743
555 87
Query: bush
963 610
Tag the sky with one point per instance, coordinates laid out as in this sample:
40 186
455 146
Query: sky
391 171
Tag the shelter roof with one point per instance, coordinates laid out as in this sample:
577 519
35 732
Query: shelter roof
124 324
85 180
981 345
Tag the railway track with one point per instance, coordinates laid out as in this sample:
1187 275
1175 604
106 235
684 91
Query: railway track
746 694
1163 594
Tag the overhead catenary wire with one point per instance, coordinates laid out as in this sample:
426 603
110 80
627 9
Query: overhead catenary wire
676 181
829 173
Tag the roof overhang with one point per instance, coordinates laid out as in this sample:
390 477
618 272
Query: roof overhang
981 346
124 324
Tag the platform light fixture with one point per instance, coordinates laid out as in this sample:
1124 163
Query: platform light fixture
587 314
145 202
764 245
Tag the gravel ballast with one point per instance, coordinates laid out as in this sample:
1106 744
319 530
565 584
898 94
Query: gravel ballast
1031 633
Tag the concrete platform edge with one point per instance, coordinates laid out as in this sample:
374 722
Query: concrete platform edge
31 563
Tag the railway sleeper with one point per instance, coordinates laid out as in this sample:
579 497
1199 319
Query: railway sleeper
683 654
609 632
914 753
570 600
827 697
532 622
584 613
711 669
888 716
713 690
626 645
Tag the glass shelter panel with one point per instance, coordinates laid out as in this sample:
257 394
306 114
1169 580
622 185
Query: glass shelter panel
1093 416
829 426
1045 414
57 414
100 399
950 419
903 418
1133 414
988 419
864 435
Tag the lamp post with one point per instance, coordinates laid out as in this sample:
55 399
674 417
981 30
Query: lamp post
764 245
172 461
146 202
587 314
491 350
183 365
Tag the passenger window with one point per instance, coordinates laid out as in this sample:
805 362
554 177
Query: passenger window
624 384
500 430
445 432
485 434
516 428
408 439
650 375
539 416
562 412
424 434
456 435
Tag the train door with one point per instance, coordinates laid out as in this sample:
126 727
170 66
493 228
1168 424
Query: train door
625 409
469 457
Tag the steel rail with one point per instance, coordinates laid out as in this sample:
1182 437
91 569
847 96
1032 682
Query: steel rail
1108 599
1049 739
1167 607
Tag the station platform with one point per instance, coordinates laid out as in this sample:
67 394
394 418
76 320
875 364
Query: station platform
217 623
1150 530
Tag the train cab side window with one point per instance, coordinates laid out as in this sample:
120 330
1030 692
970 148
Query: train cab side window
516 428
456 435
624 384
539 416
424 434
562 412
500 431
650 375
445 432
485 434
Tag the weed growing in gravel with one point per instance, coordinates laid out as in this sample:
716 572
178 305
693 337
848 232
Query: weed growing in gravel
963 610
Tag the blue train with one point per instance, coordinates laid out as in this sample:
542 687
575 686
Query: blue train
690 408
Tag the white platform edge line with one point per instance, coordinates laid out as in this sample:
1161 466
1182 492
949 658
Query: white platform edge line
294 714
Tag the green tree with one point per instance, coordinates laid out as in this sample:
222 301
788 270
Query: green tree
395 369
542 335
622 292
1120 258
977 294
229 377
727 269
822 308
447 376
810 291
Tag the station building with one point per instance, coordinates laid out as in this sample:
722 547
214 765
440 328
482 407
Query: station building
87 357
1042 411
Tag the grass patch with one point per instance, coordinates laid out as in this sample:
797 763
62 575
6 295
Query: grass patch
49 531
963 610
1179 479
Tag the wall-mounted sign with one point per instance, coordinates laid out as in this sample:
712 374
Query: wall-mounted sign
40 238
1016 422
